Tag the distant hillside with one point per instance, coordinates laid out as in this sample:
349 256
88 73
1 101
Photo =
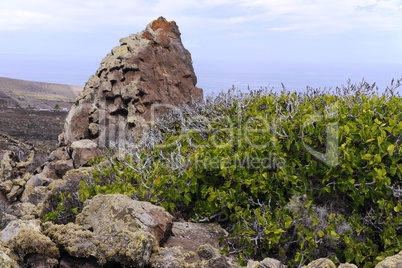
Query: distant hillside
39 95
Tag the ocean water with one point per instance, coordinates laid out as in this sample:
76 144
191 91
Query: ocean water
213 76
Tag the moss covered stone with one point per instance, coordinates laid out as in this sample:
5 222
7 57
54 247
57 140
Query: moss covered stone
170 257
74 239
25 237
206 252
321 263
124 230
6 261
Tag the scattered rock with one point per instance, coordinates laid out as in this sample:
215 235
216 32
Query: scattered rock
66 191
59 154
193 235
62 166
321 263
83 151
35 189
25 237
391 262
266 263
7 164
147 74
170 258
14 188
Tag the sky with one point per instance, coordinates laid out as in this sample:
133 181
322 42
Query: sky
356 31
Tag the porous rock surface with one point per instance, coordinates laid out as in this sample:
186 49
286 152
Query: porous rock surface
391 262
106 213
148 73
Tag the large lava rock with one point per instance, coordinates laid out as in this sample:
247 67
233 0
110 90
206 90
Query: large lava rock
148 73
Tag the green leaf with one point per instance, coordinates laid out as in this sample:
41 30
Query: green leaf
321 234
390 149
367 157
398 207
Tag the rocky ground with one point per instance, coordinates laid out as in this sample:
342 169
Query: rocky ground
111 230
35 127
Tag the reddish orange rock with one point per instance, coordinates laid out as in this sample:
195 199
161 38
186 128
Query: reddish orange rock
148 73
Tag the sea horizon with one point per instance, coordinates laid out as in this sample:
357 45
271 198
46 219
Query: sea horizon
214 76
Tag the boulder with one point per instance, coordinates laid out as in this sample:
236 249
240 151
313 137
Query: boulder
35 189
321 263
60 167
83 151
25 237
14 188
58 154
122 212
191 236
127 231
266 263
149 73
391 262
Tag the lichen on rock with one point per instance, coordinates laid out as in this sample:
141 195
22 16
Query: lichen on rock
321 263
394 261
120 212
170 257
149 73
6 261
25 237
74 239
125 230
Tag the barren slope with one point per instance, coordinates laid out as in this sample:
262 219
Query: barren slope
15 92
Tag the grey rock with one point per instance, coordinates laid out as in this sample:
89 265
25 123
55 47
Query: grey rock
191 236
394 261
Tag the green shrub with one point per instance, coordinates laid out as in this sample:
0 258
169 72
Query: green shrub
294 176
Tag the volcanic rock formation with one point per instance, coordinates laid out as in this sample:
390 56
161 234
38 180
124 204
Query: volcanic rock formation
148 73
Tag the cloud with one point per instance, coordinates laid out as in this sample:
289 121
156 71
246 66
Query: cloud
225 26
14 20
309 16
313 16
